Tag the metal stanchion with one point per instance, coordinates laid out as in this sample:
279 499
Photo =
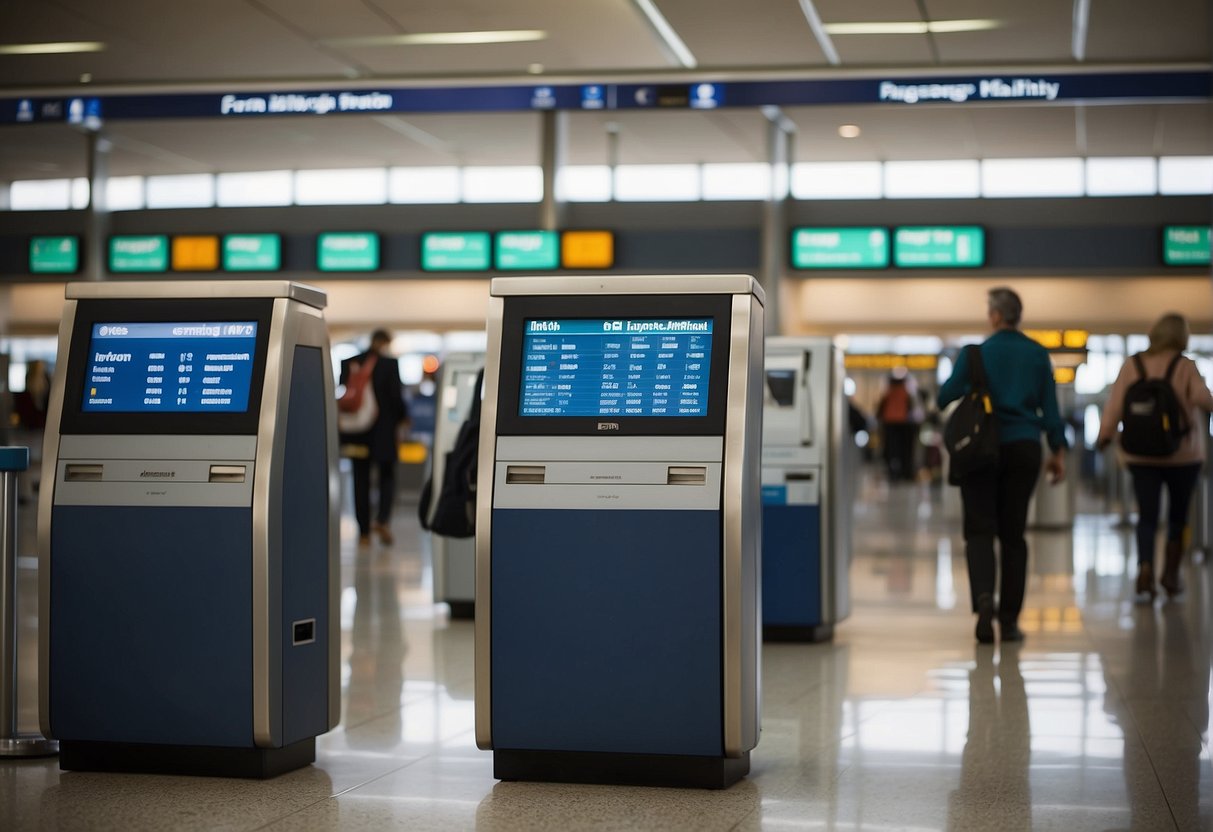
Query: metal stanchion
12 462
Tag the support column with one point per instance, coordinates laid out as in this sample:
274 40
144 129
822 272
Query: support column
612 131
97 219
555 129
780 134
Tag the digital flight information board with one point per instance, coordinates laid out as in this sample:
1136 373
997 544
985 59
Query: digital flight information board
187 367
616 367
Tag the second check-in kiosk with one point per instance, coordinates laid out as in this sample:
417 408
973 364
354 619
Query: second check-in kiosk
807 469
188 530
617 546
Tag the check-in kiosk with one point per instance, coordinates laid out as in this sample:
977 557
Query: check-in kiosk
807 469
618 538
454 558
188 530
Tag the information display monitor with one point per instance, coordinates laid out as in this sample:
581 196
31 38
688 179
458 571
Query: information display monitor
657 366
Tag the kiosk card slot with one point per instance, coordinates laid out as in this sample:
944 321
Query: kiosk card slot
687 475
84 473
227 473
525 474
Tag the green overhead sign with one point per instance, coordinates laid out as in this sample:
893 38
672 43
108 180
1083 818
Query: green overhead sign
933 247
1185 245
139 254
54 255
840 248
347 252
252 253
455 251
525 250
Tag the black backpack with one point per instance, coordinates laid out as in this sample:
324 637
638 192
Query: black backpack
971 434
1153 421
455 512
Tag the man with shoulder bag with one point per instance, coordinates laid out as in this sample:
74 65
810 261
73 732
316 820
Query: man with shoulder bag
1009 398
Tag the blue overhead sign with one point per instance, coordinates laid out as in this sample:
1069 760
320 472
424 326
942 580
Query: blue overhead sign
899 91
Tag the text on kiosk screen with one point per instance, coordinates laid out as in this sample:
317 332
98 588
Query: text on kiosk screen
193 367
616 367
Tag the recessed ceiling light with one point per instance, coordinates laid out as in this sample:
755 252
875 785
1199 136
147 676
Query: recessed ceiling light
442 38
911 27
51 48
86 77
849 131
535 69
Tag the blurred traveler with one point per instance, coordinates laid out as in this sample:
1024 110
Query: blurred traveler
1020 381
898 414
376 446
31 403
1173 461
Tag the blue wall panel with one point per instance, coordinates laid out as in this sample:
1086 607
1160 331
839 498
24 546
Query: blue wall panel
791 565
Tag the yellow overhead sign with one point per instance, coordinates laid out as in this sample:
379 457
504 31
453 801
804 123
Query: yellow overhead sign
887 361
1058 339
196 253
587 249
1064 375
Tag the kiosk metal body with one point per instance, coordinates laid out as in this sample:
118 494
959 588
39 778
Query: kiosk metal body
188 530
618 538
806 491
454 558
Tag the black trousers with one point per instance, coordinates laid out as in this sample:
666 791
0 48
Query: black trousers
1148 481
362 492
996 506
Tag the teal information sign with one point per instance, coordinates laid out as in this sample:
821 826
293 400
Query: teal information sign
1185 245
347 252
840 248
138 254
54 255
527 250
252 253
949 247
455 251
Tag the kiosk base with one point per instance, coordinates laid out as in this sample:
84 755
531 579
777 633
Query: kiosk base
677 771
200 761
462 609
798 632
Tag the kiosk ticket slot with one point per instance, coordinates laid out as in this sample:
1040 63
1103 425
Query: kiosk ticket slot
188 530
805 491
617 536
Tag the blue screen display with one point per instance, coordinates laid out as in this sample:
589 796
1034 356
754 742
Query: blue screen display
189 367
616 367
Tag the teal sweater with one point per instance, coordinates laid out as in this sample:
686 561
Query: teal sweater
1020 376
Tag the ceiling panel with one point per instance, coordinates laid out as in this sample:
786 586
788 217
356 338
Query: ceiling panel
1019 131
1120 130
1030 30
777 27
888 133
647 137
883 50
1185 130
1130 30
41 151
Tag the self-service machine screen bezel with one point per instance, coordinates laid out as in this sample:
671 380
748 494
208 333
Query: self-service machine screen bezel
91 313
519 311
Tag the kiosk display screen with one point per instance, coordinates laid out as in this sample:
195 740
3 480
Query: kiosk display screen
166 367
640 367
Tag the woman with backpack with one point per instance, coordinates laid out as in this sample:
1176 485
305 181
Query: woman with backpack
1161 400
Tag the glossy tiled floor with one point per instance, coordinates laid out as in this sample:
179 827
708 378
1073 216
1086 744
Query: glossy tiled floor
1099 721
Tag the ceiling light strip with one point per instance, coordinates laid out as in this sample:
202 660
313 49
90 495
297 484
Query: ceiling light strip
666 32
820 32
61 48
442 38
911 27
1082 20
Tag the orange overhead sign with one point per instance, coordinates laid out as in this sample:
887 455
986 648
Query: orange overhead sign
196 253
587 249
886 361
1059 339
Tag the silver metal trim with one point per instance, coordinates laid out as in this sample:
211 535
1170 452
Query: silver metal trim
484 518
159 290
46 502
616 448
174 447
716 284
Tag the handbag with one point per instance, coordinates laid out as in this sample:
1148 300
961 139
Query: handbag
357 408
971 434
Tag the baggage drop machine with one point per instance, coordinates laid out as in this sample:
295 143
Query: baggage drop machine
808 465
188 528
617 546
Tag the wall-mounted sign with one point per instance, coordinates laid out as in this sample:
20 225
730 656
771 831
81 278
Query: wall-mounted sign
347 252
252 253
886 361
195 253
54 255
138 254
1059 339
587 249
934 247
1185 245
522 250
840 248
455 251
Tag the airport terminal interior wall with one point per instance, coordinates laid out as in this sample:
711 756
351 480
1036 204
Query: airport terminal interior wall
1090 263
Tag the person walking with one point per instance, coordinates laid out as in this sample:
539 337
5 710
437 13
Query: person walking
995 499
898 415
376 447
1177 470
